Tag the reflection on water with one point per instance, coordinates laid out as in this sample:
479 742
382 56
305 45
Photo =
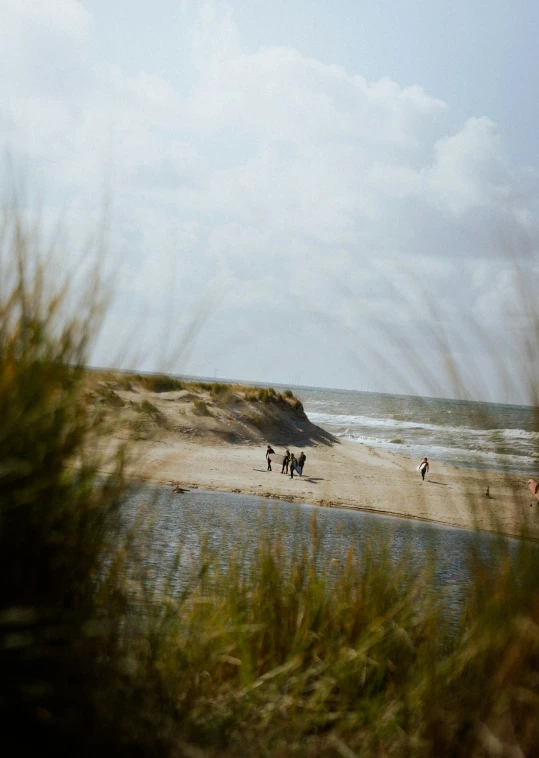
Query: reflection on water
200 524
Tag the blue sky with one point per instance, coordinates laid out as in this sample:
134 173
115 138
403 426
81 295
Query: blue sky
328 189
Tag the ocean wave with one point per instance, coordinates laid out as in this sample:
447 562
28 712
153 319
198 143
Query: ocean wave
456 455
344 420
341 419
469 448
517 434
466 434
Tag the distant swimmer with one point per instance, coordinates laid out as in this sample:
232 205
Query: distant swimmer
286 461
423 467
269 451
301 463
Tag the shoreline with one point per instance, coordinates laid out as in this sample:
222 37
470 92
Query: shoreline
350 476
344 507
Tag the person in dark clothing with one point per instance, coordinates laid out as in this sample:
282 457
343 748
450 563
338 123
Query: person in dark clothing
424 467
269 451
292 465
301 463
286 461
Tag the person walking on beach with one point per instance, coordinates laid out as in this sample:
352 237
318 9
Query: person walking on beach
269 451
286 461
292 465
301 463
424 467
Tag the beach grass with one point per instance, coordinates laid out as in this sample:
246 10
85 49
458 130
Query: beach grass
290 657
274 653
219 392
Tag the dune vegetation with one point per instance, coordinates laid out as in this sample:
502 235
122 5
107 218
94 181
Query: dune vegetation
282 654
143 406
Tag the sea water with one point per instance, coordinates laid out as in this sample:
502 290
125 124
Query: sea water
487 436
465 433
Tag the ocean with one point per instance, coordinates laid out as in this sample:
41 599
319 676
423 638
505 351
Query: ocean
486 436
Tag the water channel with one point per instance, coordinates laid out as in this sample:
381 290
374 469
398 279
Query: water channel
200 523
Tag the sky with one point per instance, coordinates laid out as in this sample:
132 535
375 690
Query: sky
336 194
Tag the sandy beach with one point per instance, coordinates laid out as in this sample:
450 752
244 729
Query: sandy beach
223 449
348 475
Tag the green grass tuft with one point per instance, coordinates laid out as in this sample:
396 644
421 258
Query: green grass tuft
160 383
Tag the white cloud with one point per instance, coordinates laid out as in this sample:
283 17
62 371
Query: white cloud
469 169
298 185
43 47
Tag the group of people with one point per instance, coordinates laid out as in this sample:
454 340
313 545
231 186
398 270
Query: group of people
289 462
296 464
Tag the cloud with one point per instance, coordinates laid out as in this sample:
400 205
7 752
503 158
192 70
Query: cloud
469 170
299 186
43 47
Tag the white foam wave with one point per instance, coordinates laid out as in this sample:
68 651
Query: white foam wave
450 454
343 420
516 434
340 419
336 419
